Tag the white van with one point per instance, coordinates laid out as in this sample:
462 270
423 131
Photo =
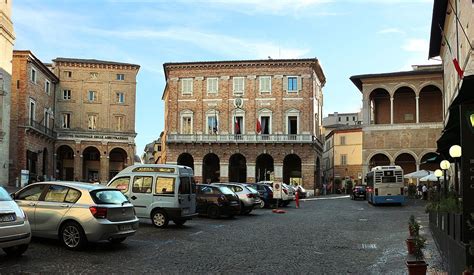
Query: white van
159 192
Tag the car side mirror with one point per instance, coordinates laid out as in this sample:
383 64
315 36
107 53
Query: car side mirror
12 195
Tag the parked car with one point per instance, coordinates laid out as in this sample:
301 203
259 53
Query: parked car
359 191
77 213
287 194
159 192
265 192
248 196
301 191
215 200
15 230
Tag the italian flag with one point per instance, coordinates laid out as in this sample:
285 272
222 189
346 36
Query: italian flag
455 60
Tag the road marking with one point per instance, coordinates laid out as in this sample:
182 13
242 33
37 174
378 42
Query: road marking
218 226
196 233
361 209
369 246
319 253
363 220
330 198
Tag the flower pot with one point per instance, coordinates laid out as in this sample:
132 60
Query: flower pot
416 267
410 245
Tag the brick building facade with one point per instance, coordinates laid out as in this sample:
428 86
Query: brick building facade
402 117
95 118
245 121
7 38
32 118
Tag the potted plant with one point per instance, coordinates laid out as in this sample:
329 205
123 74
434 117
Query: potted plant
413 226
418 265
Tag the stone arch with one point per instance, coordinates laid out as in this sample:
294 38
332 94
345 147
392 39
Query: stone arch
91 164
407 161
404 84
378 159
379 106
211 168
237 168
430 104
117 161
185 159
65 163
404 105
264 167
406 151
291 168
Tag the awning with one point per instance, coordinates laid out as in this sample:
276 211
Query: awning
418 174
451 133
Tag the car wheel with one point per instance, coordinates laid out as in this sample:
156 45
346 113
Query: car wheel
213 212
72 236
242 208
159 218
117 240
262 204
15 251
247 212
179 222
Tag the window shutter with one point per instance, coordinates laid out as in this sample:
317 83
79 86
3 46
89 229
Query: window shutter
300 83
285 83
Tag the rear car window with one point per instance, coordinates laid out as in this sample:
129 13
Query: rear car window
72 195
164 186
251 189
106 196
4 195
121 184
208 190
225 190
32 193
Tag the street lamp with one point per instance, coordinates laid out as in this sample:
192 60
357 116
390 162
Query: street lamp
445 166
455 152
438 173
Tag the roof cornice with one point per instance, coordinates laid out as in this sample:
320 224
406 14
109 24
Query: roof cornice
93 63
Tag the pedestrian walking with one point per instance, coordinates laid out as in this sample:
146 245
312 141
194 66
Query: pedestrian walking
324 188
297 198
425 192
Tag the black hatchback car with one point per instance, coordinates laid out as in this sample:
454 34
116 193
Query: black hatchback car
215 200
359 192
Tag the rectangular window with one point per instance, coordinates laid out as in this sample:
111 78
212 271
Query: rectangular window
212 124
66 94
120 77
66 121
292 125
120 123
33 75
212 85
339 119
265 125
92 96
186 86
238 85
343 159
68 74
292 84
187 125
47 87
238 125
32 110
347 118
265 84
92 122
56 193
353 118
142 184
120 97
46 118
164 186
343 140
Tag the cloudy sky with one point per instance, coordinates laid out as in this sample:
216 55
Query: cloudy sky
349 37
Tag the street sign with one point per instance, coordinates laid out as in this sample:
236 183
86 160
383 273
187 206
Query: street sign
277 190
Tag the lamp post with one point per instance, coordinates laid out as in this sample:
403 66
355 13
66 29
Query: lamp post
455 152
438 173
445 166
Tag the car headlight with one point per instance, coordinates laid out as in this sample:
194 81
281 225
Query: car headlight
25 217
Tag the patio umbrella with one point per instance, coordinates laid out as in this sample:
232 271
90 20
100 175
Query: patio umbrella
418 174
430 177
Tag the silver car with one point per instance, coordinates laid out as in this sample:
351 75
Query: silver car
77 212
248 196
15 231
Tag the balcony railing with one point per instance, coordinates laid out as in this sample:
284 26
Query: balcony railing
278 138
35 125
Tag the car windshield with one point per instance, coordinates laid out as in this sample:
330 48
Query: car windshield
226 190
4 195
108 196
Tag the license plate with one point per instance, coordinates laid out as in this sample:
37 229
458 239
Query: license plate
125 227
234 202
7 218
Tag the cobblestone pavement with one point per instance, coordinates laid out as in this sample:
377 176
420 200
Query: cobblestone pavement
334 235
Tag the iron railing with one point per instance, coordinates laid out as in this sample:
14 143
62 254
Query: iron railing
274 138
39 127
